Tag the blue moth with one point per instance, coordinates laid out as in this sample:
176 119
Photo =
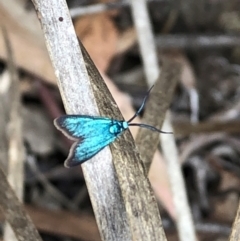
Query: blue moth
92 133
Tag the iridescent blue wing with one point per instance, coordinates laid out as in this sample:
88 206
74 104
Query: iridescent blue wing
91 133
77 126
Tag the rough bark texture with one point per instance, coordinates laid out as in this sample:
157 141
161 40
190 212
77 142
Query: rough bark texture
140 203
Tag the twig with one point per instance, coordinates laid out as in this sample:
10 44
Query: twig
51 106
54 192
14 213
78 225
181 41
126 210
199 142
96 8
213 228
149 54
146 40
184 218
16 147
64 223
156 107
183 129
101 7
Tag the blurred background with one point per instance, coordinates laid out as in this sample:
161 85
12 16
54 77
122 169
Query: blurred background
204 36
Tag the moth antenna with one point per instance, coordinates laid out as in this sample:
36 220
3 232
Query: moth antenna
142 105
152 128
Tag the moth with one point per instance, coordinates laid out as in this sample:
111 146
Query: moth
92 133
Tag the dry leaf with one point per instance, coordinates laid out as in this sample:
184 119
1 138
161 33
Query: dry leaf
99 36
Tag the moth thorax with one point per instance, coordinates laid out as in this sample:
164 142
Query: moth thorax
124 125
118 127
